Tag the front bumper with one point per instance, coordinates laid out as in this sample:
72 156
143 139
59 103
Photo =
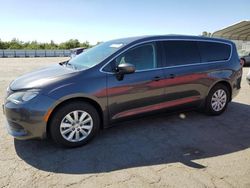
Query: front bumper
26 121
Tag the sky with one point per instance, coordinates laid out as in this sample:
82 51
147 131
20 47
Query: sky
102 20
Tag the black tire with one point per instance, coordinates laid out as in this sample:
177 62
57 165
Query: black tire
208 106
60 114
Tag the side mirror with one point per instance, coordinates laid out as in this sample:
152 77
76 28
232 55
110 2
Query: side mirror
125 68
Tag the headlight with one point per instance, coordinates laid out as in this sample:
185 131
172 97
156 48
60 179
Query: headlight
22 96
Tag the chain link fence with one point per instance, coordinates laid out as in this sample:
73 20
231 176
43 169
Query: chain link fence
34 53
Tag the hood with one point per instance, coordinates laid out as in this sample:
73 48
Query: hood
41 77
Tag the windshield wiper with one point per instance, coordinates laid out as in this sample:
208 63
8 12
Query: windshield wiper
63 63
67 64
70 65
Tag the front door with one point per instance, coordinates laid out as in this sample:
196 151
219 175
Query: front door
140 91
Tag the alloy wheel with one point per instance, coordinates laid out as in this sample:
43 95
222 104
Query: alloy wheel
219 100
76 126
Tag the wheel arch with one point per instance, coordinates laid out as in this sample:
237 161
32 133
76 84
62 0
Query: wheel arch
225 83
78 99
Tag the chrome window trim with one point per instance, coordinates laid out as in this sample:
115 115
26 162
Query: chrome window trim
169 67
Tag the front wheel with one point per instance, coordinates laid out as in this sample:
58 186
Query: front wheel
217 100
74 124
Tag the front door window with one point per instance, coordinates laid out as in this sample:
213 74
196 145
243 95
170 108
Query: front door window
142 57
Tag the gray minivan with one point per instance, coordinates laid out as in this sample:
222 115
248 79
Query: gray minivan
114 80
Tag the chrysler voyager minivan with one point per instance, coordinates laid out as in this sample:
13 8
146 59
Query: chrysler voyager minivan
114 80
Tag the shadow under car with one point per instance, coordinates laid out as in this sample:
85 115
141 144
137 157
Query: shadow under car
152 140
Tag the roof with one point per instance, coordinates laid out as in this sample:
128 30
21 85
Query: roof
166 37
239 31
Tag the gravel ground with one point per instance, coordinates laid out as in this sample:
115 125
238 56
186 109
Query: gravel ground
157 151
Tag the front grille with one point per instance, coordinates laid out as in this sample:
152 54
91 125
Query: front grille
15 126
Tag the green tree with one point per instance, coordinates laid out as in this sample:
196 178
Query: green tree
3 45
15 44
85 44
53 45
206 34
72 43
34 45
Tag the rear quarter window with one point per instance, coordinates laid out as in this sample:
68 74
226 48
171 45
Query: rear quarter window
213 51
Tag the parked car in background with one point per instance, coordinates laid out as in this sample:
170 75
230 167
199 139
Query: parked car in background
115 80
76 51
246 59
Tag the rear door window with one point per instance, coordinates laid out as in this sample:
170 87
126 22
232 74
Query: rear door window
181 52
213 51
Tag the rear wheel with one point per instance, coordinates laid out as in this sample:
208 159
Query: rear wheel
74 124
217 100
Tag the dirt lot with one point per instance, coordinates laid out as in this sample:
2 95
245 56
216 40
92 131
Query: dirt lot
157 151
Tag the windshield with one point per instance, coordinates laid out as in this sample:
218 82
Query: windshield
95 55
